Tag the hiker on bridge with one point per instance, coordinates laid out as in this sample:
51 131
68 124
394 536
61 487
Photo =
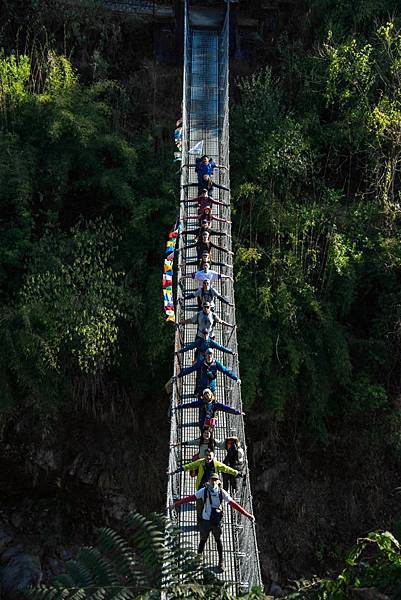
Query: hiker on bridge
206 372
211 498
205 466
205 442
208 406
206 273
201 344
207 294
204 200
206 214
205 319
206 258
204 226
235 458
204 244
205 169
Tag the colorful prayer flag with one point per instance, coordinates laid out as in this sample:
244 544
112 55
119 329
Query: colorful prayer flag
167 279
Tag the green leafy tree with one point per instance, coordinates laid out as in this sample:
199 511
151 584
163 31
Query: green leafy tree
65 159
67 321
315 222
374 564
363 85
74 299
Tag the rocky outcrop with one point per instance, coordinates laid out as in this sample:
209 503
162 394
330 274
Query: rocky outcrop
20 568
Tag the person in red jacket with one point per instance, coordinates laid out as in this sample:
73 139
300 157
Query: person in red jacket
206 214
204 200
211 513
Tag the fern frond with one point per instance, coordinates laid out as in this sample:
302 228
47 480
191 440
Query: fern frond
149 544
124 594
100 568
42 593
77 575
100 594
181 563
121 556
150 564
76 595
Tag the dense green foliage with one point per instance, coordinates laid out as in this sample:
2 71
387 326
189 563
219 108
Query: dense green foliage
374 562
319 248
372 570
77 202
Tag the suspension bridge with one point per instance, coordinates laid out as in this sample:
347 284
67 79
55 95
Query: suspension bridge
206 117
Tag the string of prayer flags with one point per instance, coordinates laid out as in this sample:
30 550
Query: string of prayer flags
168 276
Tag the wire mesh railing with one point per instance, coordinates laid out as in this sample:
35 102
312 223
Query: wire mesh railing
206 117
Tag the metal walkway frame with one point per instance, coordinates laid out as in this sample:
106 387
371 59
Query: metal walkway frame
206 117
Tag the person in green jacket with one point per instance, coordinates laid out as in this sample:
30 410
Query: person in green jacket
206 466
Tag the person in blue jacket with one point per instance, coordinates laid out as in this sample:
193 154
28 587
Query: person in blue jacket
208 406
205 169
206 372
205 174
200 345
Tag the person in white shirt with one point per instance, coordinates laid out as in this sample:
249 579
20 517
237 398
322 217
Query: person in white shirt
210 514
206 273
